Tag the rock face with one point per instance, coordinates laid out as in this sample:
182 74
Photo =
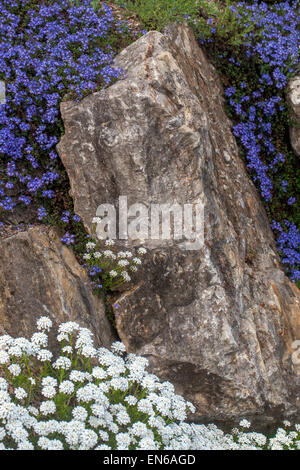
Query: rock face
294 102
40 276
220 321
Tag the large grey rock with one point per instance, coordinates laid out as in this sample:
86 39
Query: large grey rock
218 322
41 276
293 96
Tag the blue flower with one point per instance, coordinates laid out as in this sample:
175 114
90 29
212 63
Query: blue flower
68 238
42 213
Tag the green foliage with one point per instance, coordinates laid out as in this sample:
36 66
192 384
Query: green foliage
95 4
223 22
155 14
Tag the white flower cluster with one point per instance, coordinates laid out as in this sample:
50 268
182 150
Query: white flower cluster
113 266
91 398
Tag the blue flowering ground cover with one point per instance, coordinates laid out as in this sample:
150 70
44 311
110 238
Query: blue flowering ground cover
256 74
52 50
49 50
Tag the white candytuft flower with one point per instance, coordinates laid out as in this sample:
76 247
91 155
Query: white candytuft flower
67 349
90 245
126 276
79 413
66 387
48 391
47 407
14 369
44 355
245 423
109 254
68 327
50 381
20 393
99 373
123 263
44 323
133 268
4 357
40 339
62 363
118 347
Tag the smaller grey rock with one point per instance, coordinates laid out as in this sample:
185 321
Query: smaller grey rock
41 277
2 92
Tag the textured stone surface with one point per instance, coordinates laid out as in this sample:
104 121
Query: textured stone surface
294 102
40 276
218 322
